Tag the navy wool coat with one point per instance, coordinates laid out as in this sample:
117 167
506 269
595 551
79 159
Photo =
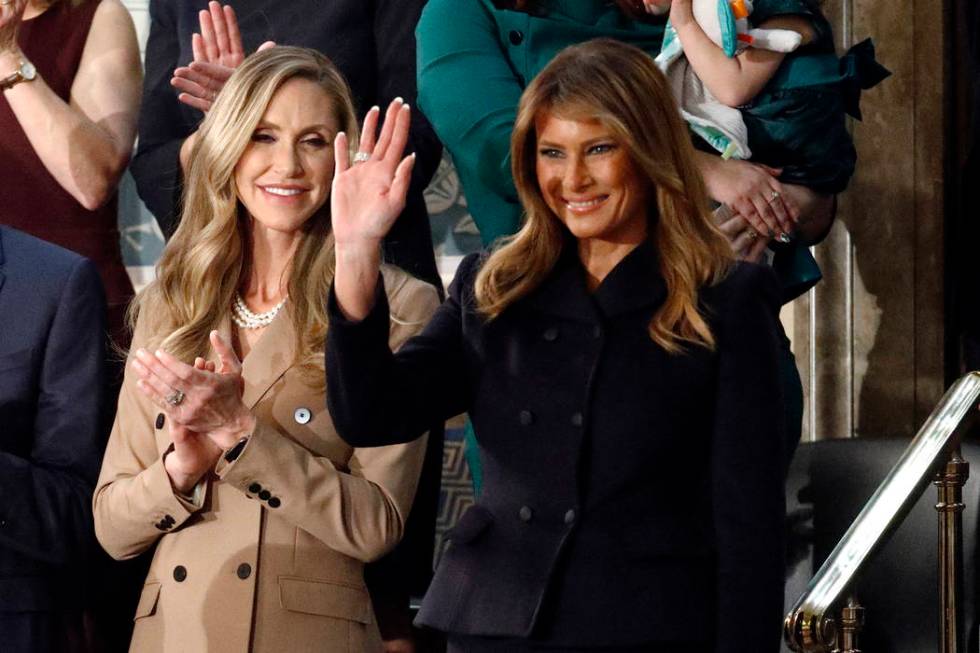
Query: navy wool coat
630 496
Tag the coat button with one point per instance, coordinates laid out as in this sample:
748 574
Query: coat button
527 418
302 415
264 495
160 421
570 517
168 520
254 488
274 502
180 573
516 37
525 513
244 570
551 334
577 419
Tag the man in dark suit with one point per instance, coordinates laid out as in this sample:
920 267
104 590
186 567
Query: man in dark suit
52 400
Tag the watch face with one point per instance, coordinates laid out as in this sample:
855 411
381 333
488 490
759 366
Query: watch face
28 71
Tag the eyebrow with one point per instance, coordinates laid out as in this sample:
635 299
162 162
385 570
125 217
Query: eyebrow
588 143
271 125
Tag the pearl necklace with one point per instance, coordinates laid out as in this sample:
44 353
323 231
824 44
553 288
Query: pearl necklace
246 319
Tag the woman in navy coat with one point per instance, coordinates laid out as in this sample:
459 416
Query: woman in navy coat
620 370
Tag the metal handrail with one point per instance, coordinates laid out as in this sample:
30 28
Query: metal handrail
810 626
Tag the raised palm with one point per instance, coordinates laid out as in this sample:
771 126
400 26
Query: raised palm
368 195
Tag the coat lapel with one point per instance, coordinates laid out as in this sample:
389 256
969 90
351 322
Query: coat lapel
270 358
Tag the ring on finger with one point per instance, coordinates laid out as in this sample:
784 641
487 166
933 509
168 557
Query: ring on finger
773 196
361 157
752 234
175 397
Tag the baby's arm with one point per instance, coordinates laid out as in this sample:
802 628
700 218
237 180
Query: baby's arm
733 81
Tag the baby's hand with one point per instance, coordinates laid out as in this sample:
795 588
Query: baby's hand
657 7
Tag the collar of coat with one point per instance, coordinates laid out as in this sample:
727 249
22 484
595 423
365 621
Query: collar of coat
635 283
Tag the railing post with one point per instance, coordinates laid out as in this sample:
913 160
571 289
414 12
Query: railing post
851 623
949 482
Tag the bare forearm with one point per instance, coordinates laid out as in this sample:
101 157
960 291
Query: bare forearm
722 75
356 277
81 155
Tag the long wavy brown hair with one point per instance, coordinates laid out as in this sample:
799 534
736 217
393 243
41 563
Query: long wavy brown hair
208 258
620 86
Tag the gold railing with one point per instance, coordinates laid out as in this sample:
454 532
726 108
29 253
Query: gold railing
811 626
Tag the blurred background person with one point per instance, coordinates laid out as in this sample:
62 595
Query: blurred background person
52 386
71 79
70 75
263 518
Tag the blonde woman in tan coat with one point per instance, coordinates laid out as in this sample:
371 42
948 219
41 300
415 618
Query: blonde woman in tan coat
223 454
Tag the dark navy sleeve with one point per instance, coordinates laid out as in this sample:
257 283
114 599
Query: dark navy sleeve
46 513
162 127
377 398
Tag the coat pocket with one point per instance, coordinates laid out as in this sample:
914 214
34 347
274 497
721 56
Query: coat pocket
471 525
325 599
148 601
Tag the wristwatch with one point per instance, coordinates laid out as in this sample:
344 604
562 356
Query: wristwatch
26 73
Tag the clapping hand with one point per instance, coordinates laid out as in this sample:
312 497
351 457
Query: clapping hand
217 51
201 400
193 454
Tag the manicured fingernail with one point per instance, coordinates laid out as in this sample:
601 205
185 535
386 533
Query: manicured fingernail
399 100
374 109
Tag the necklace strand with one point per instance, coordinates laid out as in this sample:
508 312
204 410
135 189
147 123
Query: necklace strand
246 319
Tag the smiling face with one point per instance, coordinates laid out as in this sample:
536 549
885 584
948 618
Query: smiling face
283 176
588 180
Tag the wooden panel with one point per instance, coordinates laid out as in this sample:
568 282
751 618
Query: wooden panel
869 338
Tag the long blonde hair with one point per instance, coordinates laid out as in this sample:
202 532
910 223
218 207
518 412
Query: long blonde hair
620 86
208 258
